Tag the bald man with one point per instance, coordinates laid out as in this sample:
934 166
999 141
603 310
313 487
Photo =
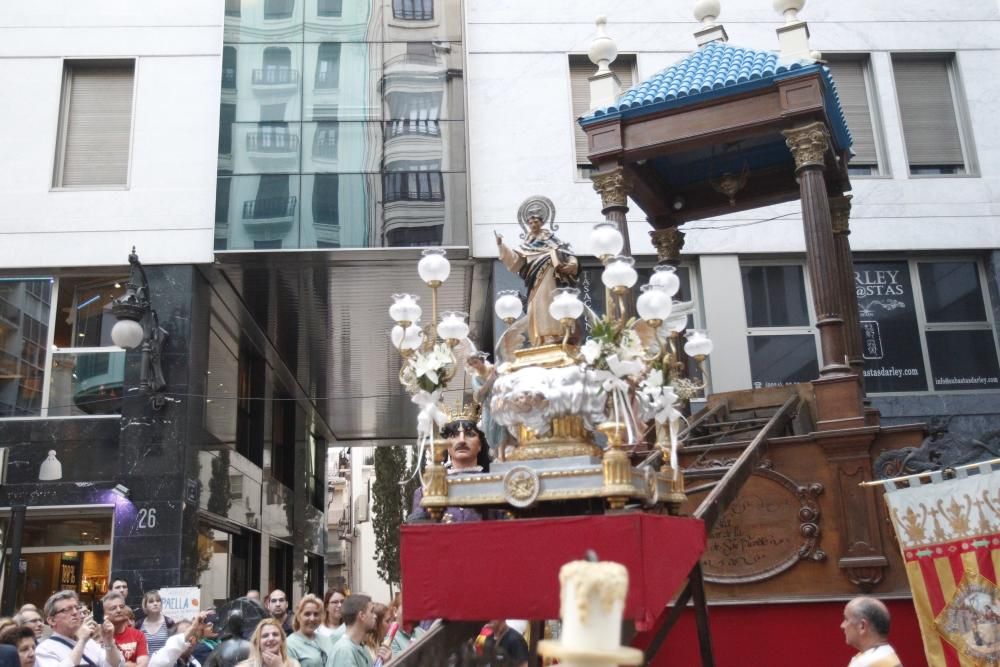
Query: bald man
866 628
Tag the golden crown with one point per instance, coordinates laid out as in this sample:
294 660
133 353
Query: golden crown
463 412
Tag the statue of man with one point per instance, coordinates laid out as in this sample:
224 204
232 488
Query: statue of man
544 263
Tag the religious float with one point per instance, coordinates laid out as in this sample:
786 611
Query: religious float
604 432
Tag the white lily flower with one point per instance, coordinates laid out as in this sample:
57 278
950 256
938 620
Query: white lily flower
426 366
591 351
625 368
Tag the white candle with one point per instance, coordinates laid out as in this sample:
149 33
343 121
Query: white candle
593 600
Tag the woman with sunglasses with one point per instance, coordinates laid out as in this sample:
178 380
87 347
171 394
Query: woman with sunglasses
306 645
468 452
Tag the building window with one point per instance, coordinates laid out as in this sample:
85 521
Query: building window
325 141
331 8
326 194
580 70
228 67
852 74
413 186
233 7
928 105
227 116
272 200
413 10
277 67
781 342
223 185
278 9
926 326
414 237
95 127
328 65
25 310
414 113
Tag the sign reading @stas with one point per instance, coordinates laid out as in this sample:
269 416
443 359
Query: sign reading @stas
181 604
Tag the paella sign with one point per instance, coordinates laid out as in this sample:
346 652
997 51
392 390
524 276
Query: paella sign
181 604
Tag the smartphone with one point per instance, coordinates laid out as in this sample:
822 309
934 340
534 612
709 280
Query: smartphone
98 612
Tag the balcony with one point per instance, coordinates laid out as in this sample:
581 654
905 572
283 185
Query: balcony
275 80
414 127
269 212
271 145
86 381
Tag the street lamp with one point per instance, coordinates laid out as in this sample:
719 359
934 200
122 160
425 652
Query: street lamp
131 332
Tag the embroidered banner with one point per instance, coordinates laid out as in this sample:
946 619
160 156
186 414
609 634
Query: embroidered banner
949 533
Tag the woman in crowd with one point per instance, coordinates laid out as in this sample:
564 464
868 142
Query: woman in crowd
407 632
375 635
333 621
23 639
267 647
155 625
307 645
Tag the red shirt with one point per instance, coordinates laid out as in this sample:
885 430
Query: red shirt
131 643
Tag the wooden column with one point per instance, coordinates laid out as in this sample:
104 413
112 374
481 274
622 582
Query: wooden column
668 241
840 213
613 186
809 144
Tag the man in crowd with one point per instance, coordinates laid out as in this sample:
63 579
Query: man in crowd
508 644
119 585
277 605
359 619
30 618
253 594
131 642
866 628
72 640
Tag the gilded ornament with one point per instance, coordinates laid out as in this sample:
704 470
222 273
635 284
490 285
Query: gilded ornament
613 188
808 144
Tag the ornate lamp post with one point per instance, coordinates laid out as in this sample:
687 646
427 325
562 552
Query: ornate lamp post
134 330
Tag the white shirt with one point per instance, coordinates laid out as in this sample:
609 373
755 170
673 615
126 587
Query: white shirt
877 656
52 653
170 652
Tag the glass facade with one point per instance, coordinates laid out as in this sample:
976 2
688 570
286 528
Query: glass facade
342 125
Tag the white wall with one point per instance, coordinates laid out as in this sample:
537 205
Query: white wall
167 210
521 141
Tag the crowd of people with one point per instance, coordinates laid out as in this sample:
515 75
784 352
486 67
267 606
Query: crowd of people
340 630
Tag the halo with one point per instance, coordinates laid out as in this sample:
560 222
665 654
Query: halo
540 206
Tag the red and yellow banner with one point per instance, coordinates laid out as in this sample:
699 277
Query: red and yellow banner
949 533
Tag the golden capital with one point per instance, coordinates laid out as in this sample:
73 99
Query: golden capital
840 214
808 144
613 188
668 243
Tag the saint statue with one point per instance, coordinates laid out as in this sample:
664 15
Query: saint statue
544 263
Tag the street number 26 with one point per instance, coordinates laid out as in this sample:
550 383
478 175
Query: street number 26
146 518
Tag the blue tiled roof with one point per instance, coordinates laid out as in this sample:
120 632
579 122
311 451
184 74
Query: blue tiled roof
718 69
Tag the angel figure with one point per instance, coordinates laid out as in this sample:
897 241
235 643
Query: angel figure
483 374
544 263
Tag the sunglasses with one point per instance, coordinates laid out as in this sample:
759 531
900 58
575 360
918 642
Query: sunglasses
451 429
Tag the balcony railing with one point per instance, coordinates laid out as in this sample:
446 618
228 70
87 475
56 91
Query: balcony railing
86 381
272 142
407 126
275 76
269 208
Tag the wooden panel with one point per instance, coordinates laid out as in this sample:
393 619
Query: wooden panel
604 140
800 95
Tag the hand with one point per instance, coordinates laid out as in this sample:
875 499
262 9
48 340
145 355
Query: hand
270 658
107 631
87 630
499 238
384 652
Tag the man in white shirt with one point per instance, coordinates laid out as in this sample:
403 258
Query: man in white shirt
866 628
72 643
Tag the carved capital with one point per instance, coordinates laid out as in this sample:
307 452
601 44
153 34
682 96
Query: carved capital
840 214
613 188
808 144
668 243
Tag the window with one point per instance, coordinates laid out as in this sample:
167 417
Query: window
326 193
328 65
414 237
414 113
25 310
233 7
333 8
325 141
781 342
413 10
853 79
95 124
414 186
277 67
925 87
227 115
278 9
228 67
272 201
223 184
580 70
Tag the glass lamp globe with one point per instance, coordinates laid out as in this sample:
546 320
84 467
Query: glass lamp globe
653 304
127 334
666 277
405 308
406 339
698 345
606 240
619 273
566 304
434 268
453 326
508 306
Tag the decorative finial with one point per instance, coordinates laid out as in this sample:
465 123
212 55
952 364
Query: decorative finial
603 50
706 11
789 9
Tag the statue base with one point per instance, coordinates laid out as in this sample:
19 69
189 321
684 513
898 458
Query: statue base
567 438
